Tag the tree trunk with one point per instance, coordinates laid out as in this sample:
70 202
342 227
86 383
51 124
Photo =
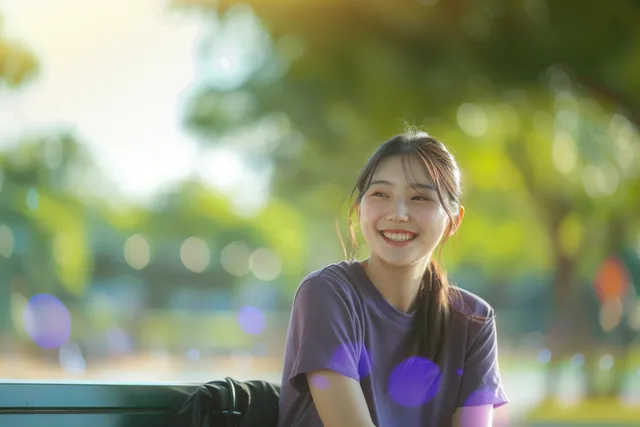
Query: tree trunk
559 340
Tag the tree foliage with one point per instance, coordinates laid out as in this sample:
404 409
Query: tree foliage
491 79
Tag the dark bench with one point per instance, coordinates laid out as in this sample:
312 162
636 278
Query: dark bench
90 405
30 404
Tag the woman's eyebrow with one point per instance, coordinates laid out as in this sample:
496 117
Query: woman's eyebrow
423 186
380 181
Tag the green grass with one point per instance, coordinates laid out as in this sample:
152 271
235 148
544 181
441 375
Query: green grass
607 411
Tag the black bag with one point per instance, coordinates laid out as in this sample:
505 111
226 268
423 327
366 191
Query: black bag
231 403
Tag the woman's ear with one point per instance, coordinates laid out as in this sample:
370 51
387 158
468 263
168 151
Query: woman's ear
457 222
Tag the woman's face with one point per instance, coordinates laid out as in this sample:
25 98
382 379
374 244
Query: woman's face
402 221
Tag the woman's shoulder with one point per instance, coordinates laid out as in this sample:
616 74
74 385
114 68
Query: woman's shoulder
328 291
335 278
470 305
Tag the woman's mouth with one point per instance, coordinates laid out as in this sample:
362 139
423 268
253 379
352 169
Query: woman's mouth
398 237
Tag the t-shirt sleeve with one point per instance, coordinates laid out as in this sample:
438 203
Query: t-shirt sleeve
481 382
322 333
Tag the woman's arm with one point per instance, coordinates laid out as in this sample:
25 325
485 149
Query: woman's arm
481 389
473 416
339 400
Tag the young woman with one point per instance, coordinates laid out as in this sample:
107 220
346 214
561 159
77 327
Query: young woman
387 342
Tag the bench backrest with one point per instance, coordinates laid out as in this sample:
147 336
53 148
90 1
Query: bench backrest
88 404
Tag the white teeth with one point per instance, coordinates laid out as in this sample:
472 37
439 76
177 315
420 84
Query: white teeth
398 237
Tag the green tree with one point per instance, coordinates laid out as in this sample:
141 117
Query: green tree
39 201
17 66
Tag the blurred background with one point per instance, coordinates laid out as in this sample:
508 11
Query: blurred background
170 170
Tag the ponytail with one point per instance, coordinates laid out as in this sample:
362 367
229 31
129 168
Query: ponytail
433 315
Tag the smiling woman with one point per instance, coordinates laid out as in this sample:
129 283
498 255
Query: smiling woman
387 340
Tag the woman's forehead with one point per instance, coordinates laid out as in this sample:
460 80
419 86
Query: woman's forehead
402 170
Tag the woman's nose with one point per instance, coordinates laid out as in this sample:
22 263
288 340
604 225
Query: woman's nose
398 212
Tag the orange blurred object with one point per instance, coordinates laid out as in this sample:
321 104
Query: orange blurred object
612 280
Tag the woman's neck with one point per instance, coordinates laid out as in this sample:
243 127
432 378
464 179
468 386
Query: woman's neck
398 285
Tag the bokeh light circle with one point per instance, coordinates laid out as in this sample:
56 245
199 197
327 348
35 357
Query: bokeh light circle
577 360
252 320
414 382
137 252
234 258
265 264
483 396
195 254
544 356
320 381
343 359
47 321
364 364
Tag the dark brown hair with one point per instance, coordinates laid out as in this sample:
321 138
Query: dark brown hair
435 298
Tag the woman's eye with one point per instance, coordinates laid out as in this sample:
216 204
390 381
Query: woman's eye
378 194
420 198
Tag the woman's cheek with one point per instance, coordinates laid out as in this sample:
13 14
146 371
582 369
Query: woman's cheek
374 209
425 213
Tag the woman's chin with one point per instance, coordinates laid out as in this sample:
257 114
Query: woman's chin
397 262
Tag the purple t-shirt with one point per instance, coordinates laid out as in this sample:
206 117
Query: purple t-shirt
341 322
